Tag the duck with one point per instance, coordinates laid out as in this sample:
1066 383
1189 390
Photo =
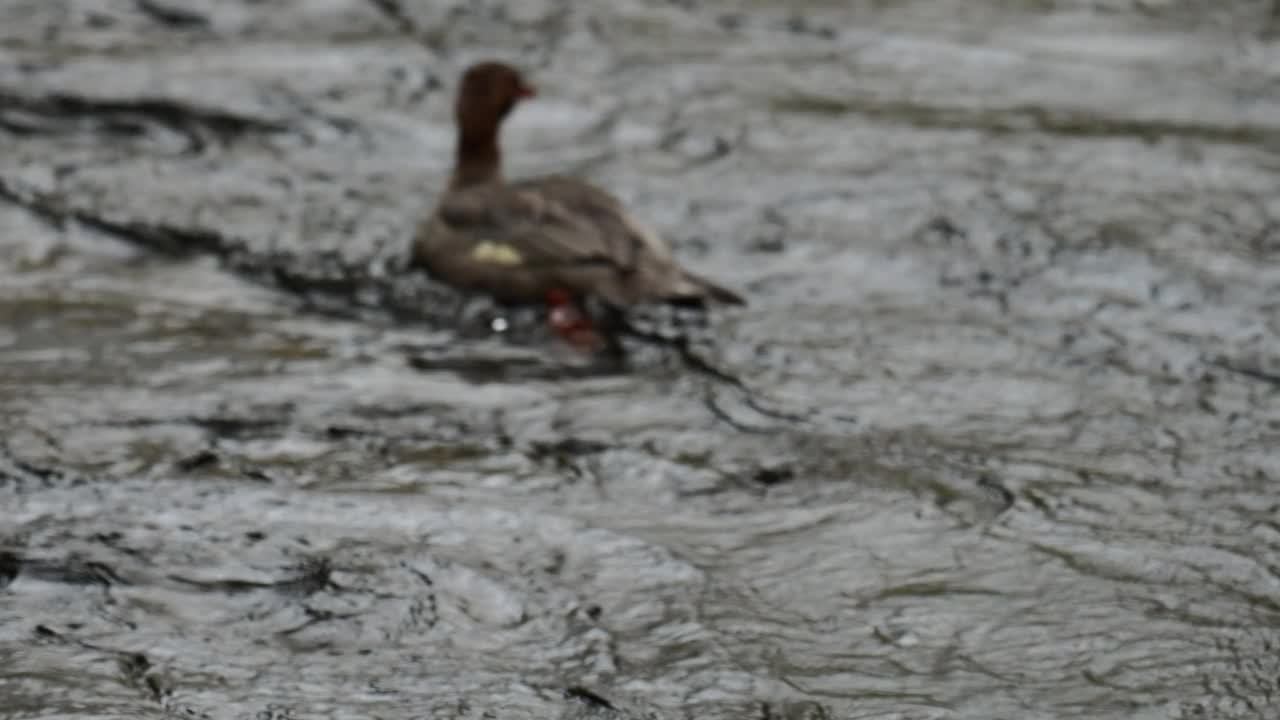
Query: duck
553 241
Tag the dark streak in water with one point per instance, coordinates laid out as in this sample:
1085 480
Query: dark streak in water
392 10
1019 119
170 240
173 17
196 123
577 692
1248 371
314 577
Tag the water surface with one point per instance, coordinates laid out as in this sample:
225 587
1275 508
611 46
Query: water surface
1002 447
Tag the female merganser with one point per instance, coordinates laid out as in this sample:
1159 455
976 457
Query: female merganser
552 240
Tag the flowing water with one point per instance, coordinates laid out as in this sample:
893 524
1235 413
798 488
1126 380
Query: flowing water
995 438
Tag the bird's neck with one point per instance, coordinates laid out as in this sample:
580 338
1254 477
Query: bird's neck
478 160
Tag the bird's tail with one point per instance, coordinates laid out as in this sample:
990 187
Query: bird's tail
700 288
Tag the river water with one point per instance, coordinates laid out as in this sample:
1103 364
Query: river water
995 438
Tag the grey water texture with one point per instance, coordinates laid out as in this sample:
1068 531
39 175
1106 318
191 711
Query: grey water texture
995 438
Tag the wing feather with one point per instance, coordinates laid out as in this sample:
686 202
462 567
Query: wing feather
549 222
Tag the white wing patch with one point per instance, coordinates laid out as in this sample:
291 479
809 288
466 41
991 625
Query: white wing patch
488 251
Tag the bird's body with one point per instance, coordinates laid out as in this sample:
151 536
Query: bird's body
555 239
520 241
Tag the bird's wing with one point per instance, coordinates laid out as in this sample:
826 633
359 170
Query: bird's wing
544 223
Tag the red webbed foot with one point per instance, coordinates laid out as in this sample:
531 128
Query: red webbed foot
572 323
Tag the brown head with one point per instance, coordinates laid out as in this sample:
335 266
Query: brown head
488 93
